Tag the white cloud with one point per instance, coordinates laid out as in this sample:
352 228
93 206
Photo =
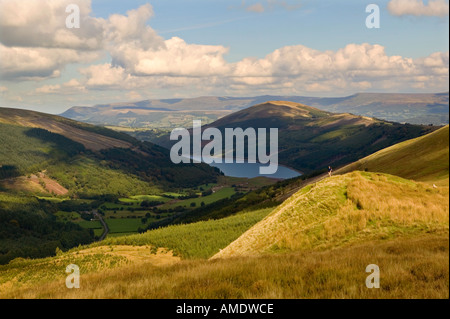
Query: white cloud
49 89
105 75
134 96
439 8
356 67
35 43
142 60
132 29
177 58
291 69
19 63
37 23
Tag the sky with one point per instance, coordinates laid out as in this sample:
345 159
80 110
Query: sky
137 50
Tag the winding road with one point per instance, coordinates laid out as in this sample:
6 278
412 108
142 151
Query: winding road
105 226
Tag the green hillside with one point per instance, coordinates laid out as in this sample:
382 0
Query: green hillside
316 244
361 205
311 139
425 158
52 167
89 160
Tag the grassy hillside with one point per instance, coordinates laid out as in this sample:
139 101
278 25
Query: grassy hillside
55 165
196 240
425 158
316 244
92 137
86 159
410 268
310 139
350 208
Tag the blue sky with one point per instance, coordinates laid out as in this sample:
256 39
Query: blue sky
232 48
323 25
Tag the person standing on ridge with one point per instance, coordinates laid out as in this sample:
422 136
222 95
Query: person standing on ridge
329 171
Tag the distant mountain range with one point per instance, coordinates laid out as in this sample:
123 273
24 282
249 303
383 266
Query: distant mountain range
170 113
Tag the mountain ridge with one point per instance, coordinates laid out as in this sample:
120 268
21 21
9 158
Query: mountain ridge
415 108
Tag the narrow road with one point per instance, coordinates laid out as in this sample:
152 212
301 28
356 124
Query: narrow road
105 226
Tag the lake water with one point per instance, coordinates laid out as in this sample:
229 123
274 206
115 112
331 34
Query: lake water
251 170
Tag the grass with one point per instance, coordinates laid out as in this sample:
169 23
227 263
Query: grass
124 225
346 209
197 240
424 158
317 244
225 192
95 225
53 199
409 268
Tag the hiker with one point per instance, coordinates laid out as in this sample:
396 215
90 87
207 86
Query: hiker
329 170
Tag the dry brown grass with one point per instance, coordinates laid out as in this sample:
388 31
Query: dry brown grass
90 140
40 184
340 210
409 268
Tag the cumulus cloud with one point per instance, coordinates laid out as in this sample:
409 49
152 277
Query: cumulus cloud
177 58
35 48
37 23
291 69
354 67
35 43
105 75
439 8
19 63
48 89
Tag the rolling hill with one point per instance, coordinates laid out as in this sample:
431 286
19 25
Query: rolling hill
359 206
311 139
422 159
54 171
171 113
346 209
68 150
314 245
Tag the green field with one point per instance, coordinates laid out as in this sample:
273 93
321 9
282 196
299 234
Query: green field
225 192
95 225
197 240
124 225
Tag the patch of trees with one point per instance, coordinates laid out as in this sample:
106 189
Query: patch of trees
37 234
152 203
61 142
8 171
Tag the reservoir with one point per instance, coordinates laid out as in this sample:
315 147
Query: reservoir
251 170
